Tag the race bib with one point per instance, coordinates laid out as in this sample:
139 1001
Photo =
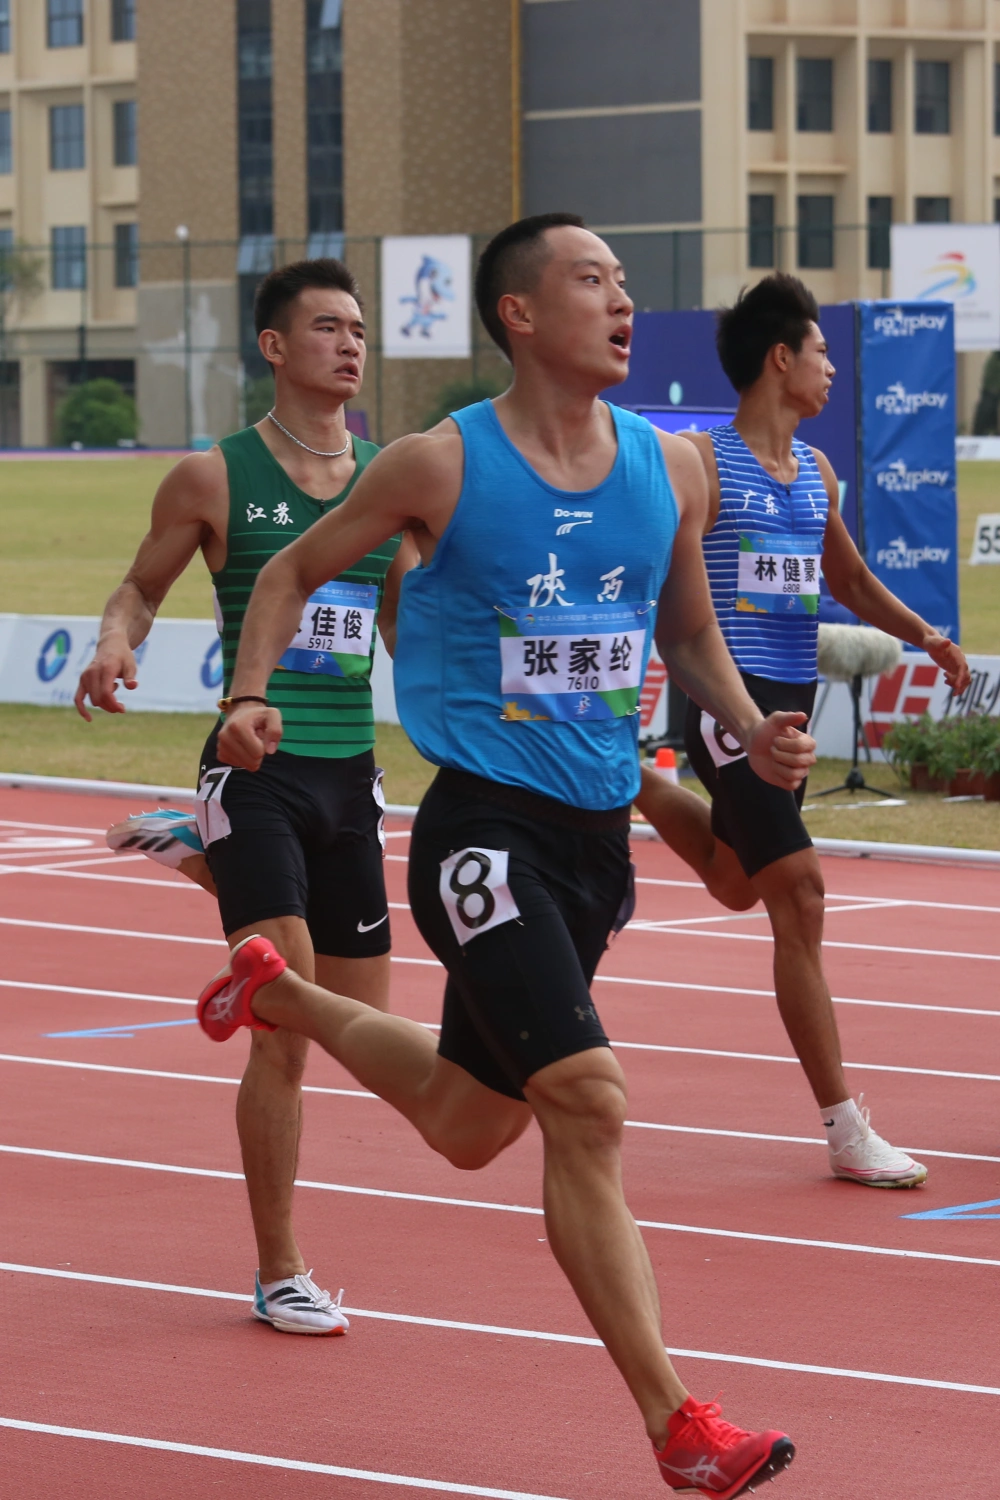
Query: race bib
475 892
572 664
719 742
777 575
336 631
209 813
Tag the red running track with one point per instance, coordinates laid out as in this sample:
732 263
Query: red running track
127 1258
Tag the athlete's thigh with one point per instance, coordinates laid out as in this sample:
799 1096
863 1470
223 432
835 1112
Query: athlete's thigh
519 987
347 910
252 846
364 979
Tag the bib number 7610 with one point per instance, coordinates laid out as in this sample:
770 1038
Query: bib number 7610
475 892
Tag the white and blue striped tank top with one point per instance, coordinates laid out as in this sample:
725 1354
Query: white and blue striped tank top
763 558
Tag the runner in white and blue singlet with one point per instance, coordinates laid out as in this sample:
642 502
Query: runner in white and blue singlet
774 523
552 530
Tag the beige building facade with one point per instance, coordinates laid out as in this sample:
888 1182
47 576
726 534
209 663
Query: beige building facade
158 156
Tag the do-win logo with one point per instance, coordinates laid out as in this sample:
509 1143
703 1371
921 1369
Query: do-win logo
901 694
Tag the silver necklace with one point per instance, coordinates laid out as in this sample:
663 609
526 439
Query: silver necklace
317 452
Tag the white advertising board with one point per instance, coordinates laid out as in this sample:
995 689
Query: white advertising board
957 263
426 284
179 665
986 540
913 688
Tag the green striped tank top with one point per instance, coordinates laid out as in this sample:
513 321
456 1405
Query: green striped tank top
323 715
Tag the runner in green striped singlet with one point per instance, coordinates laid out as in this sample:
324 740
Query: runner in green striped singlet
294 850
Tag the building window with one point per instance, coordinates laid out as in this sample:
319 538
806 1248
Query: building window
324 125
933 105
815 231
880 95
6 152
879 222
4 25
814 104
125 138
996 98
69 258
123 20
760 93
256 193
933 211
126 255
65 23
66 145
760 247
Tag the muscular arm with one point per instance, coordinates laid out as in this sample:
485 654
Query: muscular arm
853 584
412 485
189 511
406 558
690 642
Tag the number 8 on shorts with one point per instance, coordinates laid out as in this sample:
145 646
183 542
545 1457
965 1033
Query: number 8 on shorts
475 892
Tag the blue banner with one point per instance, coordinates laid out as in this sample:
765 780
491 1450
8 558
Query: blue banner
909 504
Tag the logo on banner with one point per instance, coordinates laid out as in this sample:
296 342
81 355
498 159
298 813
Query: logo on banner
426 301
899 479
899 555
54 655
952 279
897 401
432 286
211 667
896 324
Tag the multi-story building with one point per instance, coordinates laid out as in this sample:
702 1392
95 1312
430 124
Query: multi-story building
69 182
708 140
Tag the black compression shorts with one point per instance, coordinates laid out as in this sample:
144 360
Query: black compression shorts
534 888
300 837
760 822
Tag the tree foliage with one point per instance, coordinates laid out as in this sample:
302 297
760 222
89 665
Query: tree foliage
97 414
987 415
460 393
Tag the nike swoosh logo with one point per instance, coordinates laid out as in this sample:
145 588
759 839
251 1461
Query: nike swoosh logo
828 1123
362 927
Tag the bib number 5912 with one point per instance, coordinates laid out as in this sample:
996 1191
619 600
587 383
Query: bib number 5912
475 892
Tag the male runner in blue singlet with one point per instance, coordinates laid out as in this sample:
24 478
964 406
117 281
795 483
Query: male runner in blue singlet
521 647
773 522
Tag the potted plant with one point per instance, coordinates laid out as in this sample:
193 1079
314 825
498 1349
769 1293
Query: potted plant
909 745
987 757
964 735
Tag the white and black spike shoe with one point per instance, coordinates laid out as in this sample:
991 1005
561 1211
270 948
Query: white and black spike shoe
168 836
297 1305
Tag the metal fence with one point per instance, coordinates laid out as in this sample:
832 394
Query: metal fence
172 321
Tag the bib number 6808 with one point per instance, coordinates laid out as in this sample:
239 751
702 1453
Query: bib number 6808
475 892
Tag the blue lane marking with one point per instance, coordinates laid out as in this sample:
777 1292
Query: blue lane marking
960 1211
125 1031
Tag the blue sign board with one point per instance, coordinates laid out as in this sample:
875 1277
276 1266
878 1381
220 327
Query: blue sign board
907 388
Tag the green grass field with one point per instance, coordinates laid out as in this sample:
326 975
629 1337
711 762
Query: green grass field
71 528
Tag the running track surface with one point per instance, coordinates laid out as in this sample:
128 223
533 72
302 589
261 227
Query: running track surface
813 1305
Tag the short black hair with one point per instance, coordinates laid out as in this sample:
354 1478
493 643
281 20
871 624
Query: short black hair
281 286
511 262
778 310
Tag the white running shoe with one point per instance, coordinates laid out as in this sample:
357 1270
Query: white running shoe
297 1305
167 836
871 1160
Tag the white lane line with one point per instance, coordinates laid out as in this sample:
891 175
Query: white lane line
666 929
158 937
664 984
308 1088
67 872
696 885
89 1067
775 1057
513 1333
504 1208
728 989
97 833
267 1461
744 937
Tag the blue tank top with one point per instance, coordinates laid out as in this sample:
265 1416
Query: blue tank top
522 644
763 558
